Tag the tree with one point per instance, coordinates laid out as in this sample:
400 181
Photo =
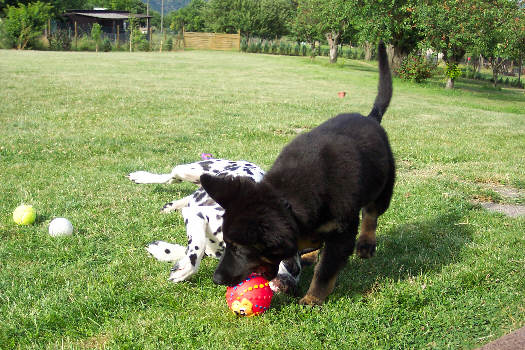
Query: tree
306 24
275 18
393 22
498 32
449 27
190 17
328 18
25 23
96 33
267 19
518 42
334 21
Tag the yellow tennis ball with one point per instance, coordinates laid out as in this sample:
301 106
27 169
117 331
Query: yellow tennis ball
24 215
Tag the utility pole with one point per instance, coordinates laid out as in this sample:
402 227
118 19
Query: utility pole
148 25
161 24
162 17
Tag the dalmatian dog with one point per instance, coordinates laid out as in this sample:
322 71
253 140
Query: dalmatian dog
203 220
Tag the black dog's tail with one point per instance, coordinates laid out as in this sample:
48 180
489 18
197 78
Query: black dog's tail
384 93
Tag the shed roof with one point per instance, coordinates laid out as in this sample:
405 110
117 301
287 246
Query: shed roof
106 14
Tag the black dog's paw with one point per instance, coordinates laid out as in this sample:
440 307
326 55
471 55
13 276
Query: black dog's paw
310 300
366 249
284 284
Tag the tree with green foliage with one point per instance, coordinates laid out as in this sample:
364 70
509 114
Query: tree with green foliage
391 21
96 33
266 19
190 17
498 27
275 18
26 22
449 27
324 18
335 19
306 25
518 39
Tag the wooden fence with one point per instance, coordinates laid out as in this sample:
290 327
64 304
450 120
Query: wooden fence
212 41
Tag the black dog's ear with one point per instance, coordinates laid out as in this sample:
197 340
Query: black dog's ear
225 190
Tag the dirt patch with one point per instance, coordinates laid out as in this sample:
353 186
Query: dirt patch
509 194
512 210
514 340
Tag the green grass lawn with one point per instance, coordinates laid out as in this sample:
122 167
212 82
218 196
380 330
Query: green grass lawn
447 273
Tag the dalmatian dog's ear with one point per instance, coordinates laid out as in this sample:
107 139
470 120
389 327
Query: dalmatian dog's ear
226 190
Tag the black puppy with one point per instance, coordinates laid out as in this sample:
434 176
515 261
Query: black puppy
311 197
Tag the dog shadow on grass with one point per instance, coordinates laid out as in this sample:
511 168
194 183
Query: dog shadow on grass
403 252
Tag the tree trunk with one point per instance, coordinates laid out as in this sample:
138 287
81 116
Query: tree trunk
396 59
368 50
495 63
519 71
333 39
480 63
312 52
450 83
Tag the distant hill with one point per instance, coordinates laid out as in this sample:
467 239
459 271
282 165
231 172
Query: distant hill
169 5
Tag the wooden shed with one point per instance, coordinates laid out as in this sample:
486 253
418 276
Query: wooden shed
111 21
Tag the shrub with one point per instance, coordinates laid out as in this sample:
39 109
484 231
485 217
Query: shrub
296 49
266 47
84 43
244 45
415 68
59 40
23 24
106 45
169 44
282 48
274 48
255 46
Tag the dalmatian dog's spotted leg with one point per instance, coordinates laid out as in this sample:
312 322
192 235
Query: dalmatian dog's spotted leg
185 172
214 243
175 205
196 226
164 251
144 177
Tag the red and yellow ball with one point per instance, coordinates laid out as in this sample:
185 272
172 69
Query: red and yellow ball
251 297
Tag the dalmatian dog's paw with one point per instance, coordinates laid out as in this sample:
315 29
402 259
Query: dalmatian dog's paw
144 177
285 284
164 251
183 269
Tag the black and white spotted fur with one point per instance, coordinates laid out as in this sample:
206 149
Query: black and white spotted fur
203 220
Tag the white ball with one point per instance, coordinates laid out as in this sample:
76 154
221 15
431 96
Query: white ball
60 227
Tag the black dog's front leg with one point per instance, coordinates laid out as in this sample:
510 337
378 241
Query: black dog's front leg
334 256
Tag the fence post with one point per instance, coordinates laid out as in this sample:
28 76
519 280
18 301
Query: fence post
150 32
76 48
239 39
183 39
